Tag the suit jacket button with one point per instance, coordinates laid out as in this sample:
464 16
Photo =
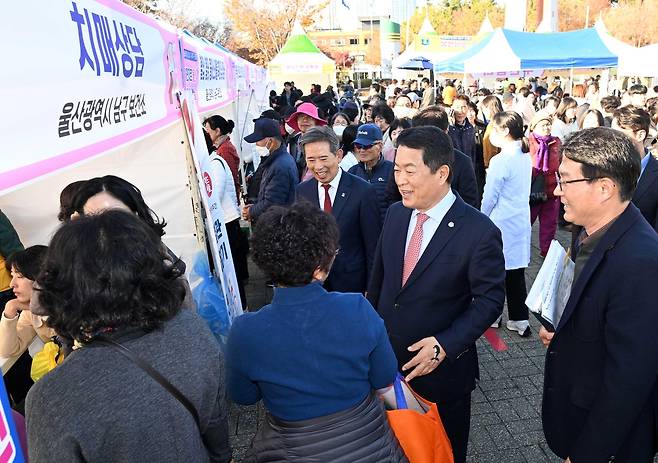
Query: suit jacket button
397 306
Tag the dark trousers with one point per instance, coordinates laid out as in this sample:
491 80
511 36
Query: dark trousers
516 293
18 381
456 419
239 249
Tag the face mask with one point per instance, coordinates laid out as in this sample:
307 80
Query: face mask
401 111
289 129
338 130
261 151
496 139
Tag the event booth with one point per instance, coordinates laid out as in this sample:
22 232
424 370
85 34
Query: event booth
302 62
99 88
506 50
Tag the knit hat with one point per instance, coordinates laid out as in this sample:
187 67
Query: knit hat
540 116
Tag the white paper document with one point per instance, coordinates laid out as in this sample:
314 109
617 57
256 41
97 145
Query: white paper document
551 290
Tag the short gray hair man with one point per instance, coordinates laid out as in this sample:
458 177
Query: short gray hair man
321 133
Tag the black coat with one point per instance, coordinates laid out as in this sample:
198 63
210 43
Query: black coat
463 138
379 177
646 193
602 364
455 292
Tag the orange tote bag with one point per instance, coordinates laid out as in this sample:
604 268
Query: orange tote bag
417 425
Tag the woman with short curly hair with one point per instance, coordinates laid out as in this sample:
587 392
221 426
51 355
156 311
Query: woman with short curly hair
106 285
313 357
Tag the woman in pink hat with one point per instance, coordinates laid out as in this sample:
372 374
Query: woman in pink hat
305 118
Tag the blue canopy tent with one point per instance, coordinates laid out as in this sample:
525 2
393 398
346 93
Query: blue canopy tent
512 51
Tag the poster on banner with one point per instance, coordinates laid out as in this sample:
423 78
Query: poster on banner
215 225
206 72
102 75
10 448
240 73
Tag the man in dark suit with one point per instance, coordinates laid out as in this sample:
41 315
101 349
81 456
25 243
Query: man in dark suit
602 361
351 200
635 122
438 280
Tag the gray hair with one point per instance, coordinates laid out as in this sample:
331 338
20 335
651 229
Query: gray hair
320 133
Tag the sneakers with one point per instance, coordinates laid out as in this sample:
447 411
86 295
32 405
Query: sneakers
496 324
522 327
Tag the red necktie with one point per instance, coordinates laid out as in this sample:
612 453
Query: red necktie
327 198
413 251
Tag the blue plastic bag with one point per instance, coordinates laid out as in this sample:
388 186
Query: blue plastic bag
210 302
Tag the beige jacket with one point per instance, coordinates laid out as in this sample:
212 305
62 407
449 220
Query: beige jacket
17 333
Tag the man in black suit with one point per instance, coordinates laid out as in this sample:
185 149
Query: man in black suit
438 280
602 361
463 173
353 203
635 122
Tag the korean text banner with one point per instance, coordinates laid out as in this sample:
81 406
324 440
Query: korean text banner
215 225
208 71
82 77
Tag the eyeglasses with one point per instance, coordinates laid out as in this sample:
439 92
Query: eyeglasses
561 182
359 146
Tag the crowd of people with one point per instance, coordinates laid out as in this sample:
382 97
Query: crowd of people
394 231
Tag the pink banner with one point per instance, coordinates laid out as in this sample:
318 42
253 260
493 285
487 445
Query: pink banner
114 75
206 71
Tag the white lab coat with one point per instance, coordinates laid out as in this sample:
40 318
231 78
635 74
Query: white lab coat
505 201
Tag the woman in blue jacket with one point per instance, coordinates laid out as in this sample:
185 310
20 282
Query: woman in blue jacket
314 357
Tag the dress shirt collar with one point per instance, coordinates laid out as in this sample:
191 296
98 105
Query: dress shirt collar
440 209
644 162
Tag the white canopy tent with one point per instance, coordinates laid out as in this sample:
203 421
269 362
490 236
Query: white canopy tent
633 61
302 62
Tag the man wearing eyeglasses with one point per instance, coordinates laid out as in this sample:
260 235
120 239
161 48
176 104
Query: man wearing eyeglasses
601 369
372 166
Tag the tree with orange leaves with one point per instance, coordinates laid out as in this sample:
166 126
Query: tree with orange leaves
262 28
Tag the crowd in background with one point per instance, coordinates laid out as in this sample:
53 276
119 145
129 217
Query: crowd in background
127 353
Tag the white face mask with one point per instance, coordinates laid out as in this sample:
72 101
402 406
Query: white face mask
289 129
401 111
261 151
338 130
496 140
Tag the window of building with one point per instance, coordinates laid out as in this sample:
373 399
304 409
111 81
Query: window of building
354 41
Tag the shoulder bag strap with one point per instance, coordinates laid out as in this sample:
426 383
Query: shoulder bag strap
178 395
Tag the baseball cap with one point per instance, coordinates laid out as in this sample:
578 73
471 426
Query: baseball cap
269 114
368 134
263 128
348 105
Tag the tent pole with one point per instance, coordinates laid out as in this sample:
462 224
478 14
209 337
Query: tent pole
570 81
